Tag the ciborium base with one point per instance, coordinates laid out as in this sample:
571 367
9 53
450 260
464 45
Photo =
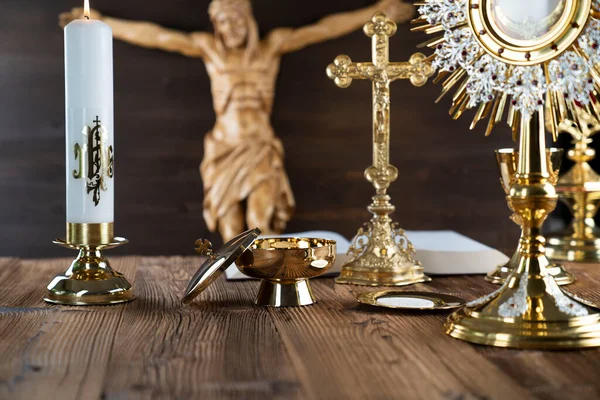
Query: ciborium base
289 294
563 247
90 280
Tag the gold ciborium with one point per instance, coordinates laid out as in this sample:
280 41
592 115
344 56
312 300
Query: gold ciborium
579 189
284 266
507 163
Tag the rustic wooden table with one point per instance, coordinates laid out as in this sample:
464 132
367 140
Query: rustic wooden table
222 346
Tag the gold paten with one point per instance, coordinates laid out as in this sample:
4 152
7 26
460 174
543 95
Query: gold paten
529 310
284 266
579 189
507 162
422 301
90 280
381 254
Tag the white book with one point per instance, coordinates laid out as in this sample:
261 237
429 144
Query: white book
440 252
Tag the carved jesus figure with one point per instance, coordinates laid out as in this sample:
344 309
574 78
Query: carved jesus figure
243 159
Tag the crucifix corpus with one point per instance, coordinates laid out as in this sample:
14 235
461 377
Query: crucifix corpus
243 159
381 254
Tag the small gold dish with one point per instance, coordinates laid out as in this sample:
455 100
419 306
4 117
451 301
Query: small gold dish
404 300
284 266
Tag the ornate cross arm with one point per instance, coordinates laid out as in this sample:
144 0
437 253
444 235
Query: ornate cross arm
343 71
416 69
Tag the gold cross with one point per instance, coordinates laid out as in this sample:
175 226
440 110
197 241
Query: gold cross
381 72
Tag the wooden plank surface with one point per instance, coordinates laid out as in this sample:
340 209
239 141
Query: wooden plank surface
222 346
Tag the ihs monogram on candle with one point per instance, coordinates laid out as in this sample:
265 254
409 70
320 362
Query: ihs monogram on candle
96 160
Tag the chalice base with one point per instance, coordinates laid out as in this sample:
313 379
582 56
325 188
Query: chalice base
285 294
564 247
529 311
499 275
90 280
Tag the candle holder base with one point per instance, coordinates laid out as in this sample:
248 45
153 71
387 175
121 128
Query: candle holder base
90 280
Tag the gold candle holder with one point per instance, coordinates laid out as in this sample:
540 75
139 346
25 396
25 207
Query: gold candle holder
579 189
89 280
381 254
529 310
507 162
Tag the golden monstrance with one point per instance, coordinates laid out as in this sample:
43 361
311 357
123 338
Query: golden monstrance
507 59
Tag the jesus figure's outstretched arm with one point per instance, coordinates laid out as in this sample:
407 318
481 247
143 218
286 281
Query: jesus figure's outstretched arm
286 40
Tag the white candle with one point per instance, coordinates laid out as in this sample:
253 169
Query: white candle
89 121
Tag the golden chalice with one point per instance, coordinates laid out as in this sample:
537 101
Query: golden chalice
507 163
285 265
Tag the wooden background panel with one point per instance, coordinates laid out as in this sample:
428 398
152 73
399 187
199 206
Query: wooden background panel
448 177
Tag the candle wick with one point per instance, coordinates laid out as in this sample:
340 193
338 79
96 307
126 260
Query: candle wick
87 17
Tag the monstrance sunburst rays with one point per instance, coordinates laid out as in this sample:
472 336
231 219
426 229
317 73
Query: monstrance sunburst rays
492 87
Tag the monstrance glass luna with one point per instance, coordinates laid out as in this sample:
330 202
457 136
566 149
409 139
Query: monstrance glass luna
511 57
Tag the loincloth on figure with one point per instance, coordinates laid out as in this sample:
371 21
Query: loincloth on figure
232 171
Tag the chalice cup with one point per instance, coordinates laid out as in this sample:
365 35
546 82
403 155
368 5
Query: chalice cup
284 266
507 163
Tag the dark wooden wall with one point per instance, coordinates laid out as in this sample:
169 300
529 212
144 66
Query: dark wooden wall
448 176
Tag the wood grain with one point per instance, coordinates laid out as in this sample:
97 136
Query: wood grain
223 346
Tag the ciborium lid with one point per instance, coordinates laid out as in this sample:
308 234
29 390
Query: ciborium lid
217 262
